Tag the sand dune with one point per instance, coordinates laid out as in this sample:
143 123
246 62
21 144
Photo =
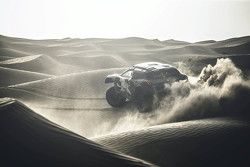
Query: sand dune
232 46
172 42
10 76
20 60
94 62
180 54
78 85
239 49
131 41
206 42
49 102
63 80
31 140
9 53
214 142
42 47
231 42
130 50
39 63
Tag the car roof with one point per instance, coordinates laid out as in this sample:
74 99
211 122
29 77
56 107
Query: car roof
152 66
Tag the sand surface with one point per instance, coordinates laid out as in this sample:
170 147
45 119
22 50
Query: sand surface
61 117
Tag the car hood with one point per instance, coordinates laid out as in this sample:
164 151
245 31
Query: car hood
111 78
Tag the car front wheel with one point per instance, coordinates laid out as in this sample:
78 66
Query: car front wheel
114 97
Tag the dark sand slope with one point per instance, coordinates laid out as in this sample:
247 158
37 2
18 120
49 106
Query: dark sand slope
211 142
238 49
27 139
231 42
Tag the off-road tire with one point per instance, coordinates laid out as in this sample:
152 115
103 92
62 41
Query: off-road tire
143 98
114 98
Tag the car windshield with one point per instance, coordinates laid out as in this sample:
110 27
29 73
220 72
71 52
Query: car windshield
139 74
127 74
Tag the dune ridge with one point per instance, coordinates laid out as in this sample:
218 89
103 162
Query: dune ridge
213 142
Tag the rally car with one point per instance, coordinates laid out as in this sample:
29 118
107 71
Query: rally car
140 83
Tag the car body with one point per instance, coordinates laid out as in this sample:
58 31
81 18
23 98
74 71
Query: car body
149 77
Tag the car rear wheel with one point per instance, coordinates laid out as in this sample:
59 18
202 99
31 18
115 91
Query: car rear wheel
144 98
114 97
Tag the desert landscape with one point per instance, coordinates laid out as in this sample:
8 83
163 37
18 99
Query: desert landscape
53 110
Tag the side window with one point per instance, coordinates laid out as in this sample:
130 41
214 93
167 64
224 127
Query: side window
172 72
158 75
155 75
138 74
127 74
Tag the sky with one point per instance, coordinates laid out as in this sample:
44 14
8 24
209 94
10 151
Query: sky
188 20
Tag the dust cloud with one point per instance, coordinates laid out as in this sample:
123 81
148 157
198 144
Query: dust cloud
215 93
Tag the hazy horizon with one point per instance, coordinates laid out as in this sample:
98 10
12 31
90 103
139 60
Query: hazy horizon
189 20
